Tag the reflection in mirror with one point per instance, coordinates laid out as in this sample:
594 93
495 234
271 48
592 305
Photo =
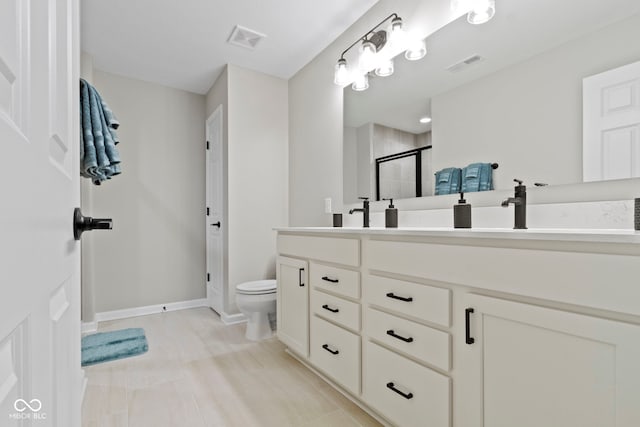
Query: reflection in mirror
400 175
508 92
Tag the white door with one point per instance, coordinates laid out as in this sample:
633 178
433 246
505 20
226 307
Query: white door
40 375
530 366
292 305
611 124
215 221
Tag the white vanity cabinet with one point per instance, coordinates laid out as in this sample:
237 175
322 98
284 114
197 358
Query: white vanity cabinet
335 324
331 311
292 303
530 366
475 328
406 359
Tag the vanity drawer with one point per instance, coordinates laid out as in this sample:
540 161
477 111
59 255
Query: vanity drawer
336 352
329 249
404 392
337 280
422 342
412 299
341 311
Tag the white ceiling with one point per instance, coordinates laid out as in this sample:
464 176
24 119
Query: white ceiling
183 44
519 30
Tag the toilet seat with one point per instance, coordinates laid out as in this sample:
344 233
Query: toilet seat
258 287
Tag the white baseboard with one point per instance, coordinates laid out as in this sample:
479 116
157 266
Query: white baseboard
150 309
232 319
87 327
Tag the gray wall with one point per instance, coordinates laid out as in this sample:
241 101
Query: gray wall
155 252
256 141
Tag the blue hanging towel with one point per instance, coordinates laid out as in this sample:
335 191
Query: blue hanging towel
447 181
99 156
477 177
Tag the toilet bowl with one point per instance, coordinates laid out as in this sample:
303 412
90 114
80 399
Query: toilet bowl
256 300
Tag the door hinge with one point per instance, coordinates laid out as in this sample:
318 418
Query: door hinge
208 277
207 145
207 211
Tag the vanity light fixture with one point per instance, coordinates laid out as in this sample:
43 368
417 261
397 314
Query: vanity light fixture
478 11
367 59
417 50
376 52
341 76
385 69
361 83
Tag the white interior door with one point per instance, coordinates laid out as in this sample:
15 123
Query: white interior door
215 213
611 124
40 375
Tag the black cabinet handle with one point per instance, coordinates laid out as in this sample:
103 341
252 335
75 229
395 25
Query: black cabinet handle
216 224
300 271
326 347
392 295
393 387
467 326
328 279
333 310
401 338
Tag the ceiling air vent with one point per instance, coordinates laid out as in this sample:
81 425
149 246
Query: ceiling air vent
241 36
464 63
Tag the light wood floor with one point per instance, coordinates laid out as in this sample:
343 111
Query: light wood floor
199 372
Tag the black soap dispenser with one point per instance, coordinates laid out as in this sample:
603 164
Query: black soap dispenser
462 213
391 215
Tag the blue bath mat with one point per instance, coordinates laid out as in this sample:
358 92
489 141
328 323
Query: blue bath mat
113 345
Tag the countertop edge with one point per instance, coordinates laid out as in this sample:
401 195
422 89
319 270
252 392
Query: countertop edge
567 235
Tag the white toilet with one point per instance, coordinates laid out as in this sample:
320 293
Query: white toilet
256 300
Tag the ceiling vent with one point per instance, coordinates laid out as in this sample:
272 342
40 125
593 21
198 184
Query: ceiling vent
457 67
244 37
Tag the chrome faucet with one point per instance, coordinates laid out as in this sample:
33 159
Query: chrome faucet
520 202
364 210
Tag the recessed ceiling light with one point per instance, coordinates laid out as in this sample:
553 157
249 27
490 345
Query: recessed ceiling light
425 120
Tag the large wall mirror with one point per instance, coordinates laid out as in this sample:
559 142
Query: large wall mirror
508 92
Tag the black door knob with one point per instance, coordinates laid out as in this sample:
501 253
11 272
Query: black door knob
83 223
216 224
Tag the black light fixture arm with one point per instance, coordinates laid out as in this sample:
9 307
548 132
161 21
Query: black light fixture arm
371 31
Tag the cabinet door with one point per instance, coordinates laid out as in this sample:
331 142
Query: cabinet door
531 366
293 304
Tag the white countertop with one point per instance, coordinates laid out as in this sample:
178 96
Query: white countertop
558 234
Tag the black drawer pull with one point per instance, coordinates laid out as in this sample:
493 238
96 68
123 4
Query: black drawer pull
393 387
326 347
333 310
393 334
392 295
467 326
329 279
300 271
